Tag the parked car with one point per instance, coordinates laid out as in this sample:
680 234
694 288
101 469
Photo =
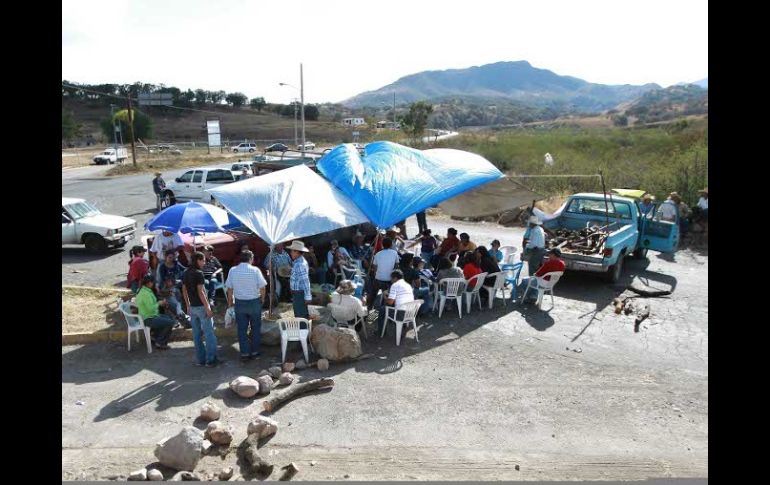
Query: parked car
110 155
245 147
82 223
627 233
276 147
309 145
192 185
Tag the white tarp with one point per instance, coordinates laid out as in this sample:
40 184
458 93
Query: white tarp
289 204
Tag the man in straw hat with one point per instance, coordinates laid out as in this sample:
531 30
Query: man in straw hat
646 204
669 208
534 244
346 307
158 186
701 210
299 281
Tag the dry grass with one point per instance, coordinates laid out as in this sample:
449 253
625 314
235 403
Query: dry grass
87 310
551 204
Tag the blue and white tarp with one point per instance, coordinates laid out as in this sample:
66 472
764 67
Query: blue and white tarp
289 204
391 182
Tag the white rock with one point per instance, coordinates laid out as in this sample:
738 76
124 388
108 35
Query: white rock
219 433
206 446
225 474
286 379
182 451
336 343
288 366
210 411
154 475
245 386
265 384
138 475
323 364
262 426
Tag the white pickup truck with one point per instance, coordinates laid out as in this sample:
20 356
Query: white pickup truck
109 155
192 185
82 223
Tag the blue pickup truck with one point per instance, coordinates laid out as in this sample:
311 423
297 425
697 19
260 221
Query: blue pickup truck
628 232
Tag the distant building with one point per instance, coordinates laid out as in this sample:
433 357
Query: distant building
353 122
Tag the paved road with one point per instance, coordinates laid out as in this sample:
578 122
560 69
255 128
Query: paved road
570 393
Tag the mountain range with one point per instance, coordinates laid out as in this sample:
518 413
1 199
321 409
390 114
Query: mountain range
512 81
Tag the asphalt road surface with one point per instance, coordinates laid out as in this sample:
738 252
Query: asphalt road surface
569 393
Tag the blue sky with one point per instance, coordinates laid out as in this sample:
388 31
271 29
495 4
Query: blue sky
348 47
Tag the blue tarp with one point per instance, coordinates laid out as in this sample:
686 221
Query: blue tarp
391 182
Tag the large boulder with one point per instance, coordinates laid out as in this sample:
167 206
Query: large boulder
271 334
336 343
245 386
182 451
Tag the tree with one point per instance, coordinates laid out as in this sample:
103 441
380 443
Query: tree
216 97
69 127
142 125
415 121
258 103
311 112
201 97
619 120
236 99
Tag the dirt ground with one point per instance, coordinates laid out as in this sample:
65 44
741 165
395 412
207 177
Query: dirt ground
567 393
86 310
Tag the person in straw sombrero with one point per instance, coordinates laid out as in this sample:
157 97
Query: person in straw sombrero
345 307
299 281
703 205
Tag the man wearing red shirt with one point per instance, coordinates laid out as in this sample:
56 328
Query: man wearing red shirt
448 247
551 264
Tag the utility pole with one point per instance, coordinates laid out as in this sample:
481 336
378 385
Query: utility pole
131 129
295 123
114 131
302 101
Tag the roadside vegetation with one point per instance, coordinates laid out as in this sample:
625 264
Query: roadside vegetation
661 159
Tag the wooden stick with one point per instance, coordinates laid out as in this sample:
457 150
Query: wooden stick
275 399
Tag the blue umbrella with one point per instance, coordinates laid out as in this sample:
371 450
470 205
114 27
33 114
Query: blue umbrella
189 218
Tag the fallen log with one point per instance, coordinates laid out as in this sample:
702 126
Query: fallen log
648 292
275 399
254 462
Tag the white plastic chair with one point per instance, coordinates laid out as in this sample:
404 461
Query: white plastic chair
135 323
543 286
453 290
410 316
509 254
499 284
341 316
292 331
431 288
477 282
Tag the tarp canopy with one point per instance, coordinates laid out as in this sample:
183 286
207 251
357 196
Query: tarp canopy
289 204
487 199
391 182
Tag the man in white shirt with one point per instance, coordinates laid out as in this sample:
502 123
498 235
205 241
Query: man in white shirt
163 242
668 210
383 264
246 291
535 245
400 292
702 209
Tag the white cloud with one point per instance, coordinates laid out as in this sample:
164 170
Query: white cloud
352 46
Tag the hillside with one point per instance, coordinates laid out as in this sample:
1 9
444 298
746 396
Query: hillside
669 103
189 125
503 81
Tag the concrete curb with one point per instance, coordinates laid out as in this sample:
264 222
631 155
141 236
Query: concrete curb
177 335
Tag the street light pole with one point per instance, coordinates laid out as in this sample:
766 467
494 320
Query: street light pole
302 107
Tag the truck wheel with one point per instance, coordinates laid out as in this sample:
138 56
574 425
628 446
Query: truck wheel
95 242
640 253
616 270
168 199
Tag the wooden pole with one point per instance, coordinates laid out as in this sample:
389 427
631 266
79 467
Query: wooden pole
131 130
606 205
